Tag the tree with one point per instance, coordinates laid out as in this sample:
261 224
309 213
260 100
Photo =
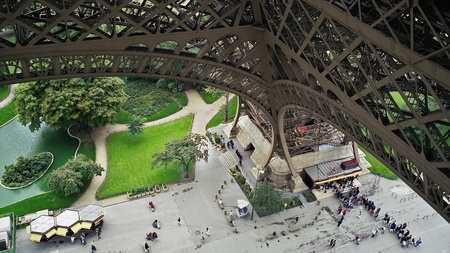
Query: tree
183 152
266 199
65 180
70 177
136 126
60 103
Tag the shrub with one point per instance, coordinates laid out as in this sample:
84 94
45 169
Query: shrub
26 170
240 178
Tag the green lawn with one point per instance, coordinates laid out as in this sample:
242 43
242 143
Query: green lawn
4 91
7 113
208 97
219 118
49 200
129 159
124 117
378 167
88 149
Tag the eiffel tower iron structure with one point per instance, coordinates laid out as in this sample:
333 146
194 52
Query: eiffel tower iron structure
376 70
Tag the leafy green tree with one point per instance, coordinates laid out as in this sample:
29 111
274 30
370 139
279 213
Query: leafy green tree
70 177
90 102
66 181
136 126
266 199
183 152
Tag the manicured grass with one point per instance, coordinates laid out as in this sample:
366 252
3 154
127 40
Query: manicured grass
130 160
219 118
208 97
88 149
49 200
169 110
124 117
4 91
7 113
378 167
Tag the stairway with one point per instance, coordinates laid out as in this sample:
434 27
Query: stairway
227 160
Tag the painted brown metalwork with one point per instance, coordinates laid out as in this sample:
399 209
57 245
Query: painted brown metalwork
378 70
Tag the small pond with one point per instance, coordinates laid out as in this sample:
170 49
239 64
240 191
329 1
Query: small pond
17 140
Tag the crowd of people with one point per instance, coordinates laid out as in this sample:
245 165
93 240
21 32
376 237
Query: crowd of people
352 197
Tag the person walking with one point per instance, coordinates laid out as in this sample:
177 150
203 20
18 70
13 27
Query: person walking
339 208
418 242
332 243
207 231
231 214
179 220
339 223
99 232
93 247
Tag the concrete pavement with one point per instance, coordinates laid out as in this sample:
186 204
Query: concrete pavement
127 223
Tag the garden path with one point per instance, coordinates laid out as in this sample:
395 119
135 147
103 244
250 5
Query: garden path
9 98
203 113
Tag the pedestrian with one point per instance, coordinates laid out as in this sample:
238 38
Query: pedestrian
339 208
83 238
179 221
359 215
203 238
231 214
418 241
296 220
93 247
98 230
285 205
357 240
374 232
339 223
342 217
72 238
207 231
332 242
344 212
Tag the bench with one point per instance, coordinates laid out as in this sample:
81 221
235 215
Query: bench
230 222
271 236
294 228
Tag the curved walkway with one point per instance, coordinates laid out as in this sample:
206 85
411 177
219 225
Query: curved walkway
8 98
203 113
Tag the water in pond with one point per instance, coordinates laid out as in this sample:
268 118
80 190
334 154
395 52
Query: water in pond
17 140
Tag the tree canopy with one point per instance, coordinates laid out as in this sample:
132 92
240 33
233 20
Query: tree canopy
70 177
136 126
183 151
266 199
91 102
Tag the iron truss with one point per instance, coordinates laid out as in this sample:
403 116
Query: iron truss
377 70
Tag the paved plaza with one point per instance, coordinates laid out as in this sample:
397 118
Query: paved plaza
127 223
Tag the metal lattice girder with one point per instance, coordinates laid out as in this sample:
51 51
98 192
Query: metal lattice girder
376 70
